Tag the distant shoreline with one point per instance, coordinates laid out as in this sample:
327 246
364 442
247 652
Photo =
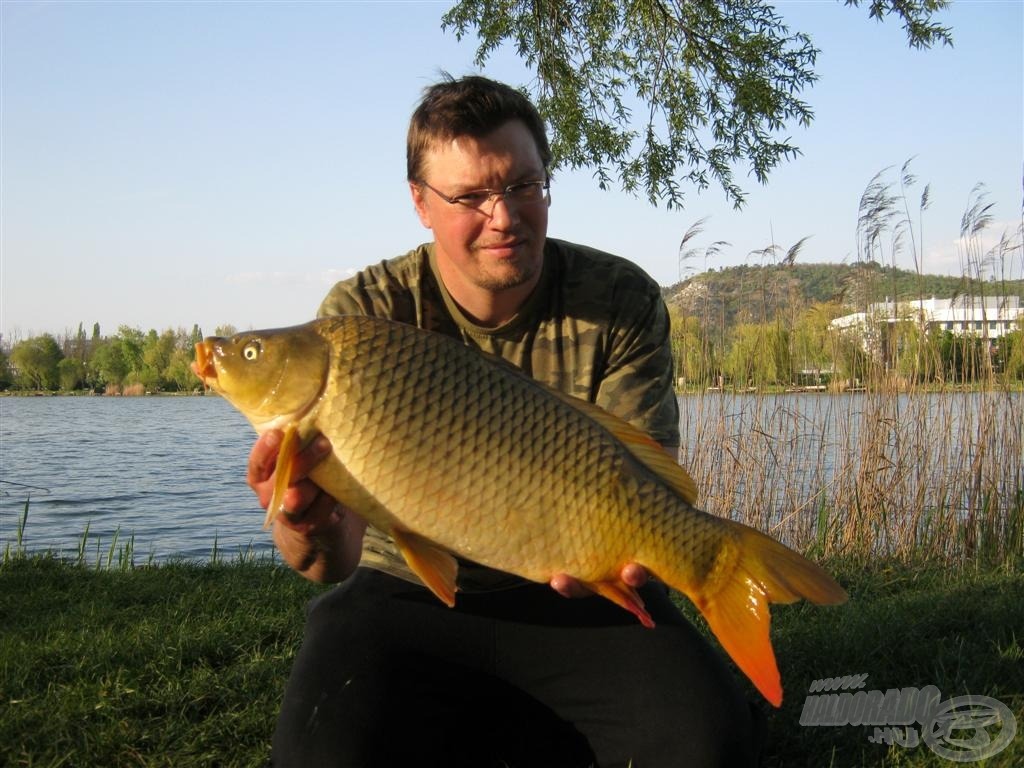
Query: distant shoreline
87 393
1014 387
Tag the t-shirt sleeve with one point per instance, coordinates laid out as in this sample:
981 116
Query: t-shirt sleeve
383 290
638 376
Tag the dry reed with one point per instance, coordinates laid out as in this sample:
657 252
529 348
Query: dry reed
921 462
918 475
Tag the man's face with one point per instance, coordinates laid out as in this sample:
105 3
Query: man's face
501 245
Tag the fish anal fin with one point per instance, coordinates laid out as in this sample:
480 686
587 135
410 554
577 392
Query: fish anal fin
435 567
282 473
623 596
734 600
643 447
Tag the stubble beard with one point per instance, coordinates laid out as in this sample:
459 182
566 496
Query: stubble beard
508 274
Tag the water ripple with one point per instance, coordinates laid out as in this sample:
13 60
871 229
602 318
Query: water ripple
169 472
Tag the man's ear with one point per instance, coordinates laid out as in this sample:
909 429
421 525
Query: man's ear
419 202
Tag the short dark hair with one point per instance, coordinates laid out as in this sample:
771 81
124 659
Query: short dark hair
470 106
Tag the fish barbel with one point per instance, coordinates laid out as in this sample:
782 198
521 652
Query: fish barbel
452 452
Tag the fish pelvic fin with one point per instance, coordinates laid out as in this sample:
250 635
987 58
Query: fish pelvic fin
734 600
435 567
623 596
282 473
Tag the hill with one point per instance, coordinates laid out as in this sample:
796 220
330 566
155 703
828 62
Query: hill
758 293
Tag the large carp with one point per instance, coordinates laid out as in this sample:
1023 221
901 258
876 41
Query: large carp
452 452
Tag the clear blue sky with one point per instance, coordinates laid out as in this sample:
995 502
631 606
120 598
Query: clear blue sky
171 163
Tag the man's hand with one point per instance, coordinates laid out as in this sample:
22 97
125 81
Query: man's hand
302 494
632 574
316 535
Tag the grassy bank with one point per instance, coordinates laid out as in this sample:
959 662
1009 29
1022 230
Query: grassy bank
170 665
184 664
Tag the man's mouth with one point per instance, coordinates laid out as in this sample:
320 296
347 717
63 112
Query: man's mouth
504 248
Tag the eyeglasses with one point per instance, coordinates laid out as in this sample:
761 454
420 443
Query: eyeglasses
523 193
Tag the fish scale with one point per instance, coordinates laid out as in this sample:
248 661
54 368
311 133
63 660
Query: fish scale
453 452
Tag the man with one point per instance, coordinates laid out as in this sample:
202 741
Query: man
514 675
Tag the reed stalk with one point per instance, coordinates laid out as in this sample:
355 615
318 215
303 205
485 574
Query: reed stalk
917 451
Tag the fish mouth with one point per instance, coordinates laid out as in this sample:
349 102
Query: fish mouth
203 366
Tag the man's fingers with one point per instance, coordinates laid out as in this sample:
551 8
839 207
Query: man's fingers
263 463
309 457
632 575
566 586
298 499
263 458
313 516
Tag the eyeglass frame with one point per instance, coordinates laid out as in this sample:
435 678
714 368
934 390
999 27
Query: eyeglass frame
494 194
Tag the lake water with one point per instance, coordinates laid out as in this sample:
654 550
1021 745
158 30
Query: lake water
168 470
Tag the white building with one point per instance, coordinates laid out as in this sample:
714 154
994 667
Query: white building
988 317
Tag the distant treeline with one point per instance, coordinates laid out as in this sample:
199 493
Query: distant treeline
737 327
130 361
770 325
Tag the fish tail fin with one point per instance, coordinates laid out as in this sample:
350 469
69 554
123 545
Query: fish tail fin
734 600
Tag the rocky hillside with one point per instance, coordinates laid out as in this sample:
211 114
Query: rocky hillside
760 293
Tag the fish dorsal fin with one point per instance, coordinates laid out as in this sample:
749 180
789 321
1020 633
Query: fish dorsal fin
645 448
435 567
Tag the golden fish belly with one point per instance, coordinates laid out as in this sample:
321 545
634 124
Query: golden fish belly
488 464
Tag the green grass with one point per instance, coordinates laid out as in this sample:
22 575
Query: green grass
184 664
960 631
179 664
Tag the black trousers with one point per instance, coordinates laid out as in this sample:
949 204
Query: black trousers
388 676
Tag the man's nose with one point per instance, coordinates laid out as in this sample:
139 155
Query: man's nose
502 210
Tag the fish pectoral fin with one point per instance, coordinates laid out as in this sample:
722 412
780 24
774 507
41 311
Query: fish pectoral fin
282 473
623 596
737 610
435 567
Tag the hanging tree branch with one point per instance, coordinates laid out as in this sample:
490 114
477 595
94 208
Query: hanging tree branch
718 82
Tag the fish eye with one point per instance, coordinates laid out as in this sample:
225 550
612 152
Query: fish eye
251 351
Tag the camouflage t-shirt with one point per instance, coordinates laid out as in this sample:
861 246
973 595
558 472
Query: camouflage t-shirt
595 327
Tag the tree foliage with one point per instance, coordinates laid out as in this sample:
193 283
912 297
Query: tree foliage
151 361
753 292
758 355
37 361
769 325
661 93
5 371
694 350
